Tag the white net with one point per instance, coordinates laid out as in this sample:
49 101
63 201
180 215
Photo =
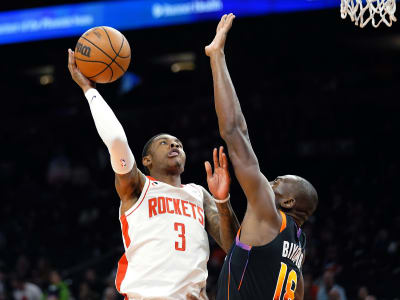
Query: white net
363 11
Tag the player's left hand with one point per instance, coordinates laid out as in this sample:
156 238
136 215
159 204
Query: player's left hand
219 181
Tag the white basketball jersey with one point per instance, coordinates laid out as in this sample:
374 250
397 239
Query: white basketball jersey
166 245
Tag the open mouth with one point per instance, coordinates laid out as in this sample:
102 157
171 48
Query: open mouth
173 153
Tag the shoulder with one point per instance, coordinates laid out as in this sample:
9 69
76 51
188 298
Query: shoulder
151 181
201 189
149 178
195 186
198 189
207 198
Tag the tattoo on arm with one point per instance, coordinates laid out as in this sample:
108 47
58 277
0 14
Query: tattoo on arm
221 221
212 218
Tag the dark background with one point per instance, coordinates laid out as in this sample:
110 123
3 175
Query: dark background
321 100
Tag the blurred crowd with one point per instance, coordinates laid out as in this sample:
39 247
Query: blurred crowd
59 231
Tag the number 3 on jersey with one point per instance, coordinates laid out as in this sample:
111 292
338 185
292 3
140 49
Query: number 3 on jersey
290 285
180 228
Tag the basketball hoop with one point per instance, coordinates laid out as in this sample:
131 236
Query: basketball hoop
363 11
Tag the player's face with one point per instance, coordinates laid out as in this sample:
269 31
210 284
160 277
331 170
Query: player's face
284 187
167 153
280 188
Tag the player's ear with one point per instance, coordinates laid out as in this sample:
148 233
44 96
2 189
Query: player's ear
288 203
146 161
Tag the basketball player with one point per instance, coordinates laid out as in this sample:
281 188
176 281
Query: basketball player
266 257
163 222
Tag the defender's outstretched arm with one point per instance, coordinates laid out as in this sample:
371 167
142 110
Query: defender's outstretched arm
233 129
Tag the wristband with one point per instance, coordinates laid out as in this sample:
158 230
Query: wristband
222 201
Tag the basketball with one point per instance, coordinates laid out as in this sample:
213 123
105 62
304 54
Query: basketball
102 54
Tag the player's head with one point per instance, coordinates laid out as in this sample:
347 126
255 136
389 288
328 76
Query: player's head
164 153
295 196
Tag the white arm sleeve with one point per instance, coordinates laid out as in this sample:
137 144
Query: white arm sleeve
111 132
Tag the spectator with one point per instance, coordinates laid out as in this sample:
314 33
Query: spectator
23 290
363 293
110 293
86 293
92 280
329 290
57 290
41 272
310 288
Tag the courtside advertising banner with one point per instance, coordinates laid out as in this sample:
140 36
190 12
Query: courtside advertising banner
71 20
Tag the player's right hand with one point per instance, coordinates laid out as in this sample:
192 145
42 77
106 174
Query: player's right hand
219 181
76 75
218 44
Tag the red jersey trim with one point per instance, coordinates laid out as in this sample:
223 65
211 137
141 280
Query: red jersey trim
121 272
125 230
141 198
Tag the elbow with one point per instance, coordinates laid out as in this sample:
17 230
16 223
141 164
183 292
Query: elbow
232 123
227 126
226 133
243 128
117 142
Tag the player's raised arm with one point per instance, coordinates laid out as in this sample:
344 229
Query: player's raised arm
221 221
233 129
129 180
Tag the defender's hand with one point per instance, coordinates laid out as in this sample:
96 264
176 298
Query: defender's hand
219 182
218 44
76 75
